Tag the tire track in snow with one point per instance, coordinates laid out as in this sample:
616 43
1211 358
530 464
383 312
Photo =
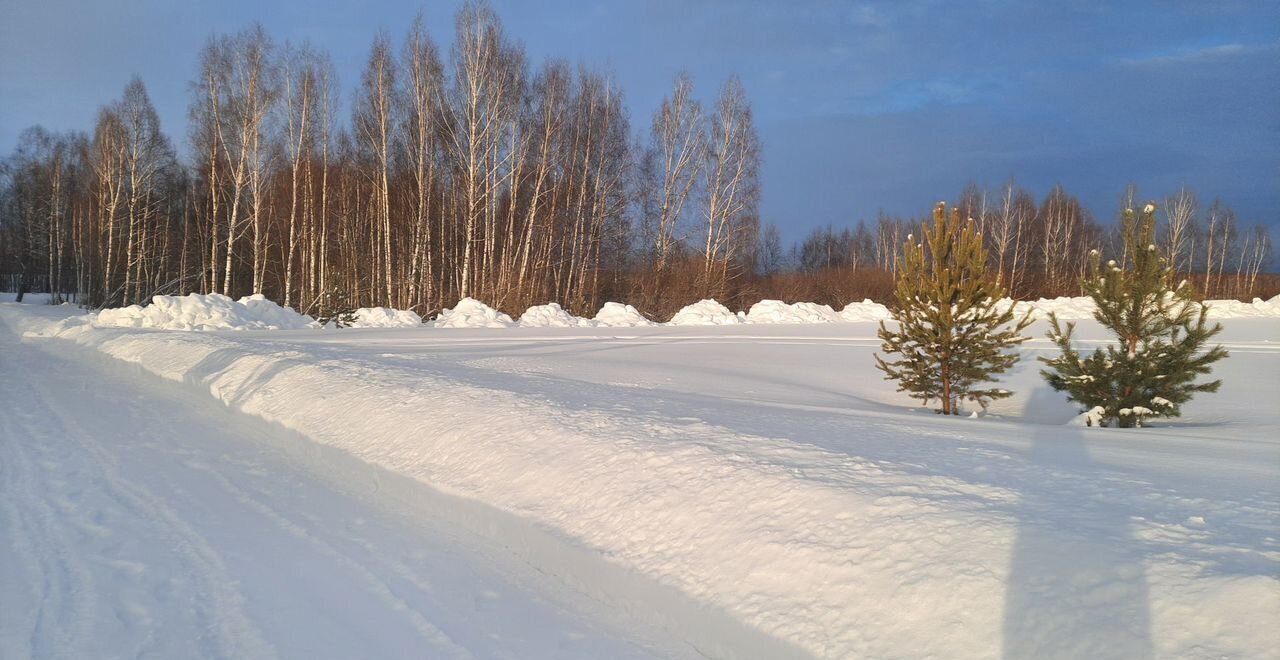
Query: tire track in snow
429 631
234 634
62 617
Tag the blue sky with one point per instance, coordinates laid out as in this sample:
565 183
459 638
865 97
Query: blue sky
861 106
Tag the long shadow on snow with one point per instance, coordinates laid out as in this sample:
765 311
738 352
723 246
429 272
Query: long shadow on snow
1076 591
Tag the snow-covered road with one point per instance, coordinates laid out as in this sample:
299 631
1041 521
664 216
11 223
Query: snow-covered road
137 521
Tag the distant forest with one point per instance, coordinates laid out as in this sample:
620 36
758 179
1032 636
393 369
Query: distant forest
477 173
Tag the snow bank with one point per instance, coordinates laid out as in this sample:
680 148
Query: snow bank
864 311
1067 308
618 315
551 315
385 317
1234 309
1082 307
705 312
776 311
205 312
471 313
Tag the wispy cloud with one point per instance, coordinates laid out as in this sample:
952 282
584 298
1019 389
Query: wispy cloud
913 95
1195 55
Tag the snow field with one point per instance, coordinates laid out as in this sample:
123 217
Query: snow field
843 526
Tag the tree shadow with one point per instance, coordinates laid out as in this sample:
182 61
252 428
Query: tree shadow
1076 587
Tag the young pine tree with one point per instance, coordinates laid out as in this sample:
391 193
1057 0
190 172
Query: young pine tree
1161 333
952 335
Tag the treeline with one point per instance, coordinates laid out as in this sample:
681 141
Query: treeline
1039 249
471 173
464 174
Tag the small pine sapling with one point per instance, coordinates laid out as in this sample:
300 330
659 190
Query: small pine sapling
952 333
1161 331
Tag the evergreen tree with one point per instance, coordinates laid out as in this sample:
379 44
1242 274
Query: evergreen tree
1161 333
952 334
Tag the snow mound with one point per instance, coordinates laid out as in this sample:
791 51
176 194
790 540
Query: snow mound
1234 309
202 312
471 313
551 315
864 311
618 315
776 311
385 317
1082 307
1066 308
705 312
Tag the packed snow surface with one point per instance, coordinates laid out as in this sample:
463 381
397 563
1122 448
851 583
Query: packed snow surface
705 312
205 312
776 311
770 474
618 315
551 315
385 317
471 313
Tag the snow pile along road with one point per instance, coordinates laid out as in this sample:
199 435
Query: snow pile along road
705 312
864 311
385 317
776 311
205 312
1234 309
471 313
618 315
551 315
218 312
1082 307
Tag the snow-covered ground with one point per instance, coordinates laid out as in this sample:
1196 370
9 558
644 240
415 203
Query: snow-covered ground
739 489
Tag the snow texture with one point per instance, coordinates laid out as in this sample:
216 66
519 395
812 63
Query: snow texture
864 311
471 313
551 315
218 312
776 311
205 312
385 317
618 315
770 474
705 312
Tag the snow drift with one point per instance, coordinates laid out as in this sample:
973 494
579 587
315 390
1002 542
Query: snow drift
385 317
776 311
705 312
1082 307
864 311
471 313
618 315
551 315
217 312
205 312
